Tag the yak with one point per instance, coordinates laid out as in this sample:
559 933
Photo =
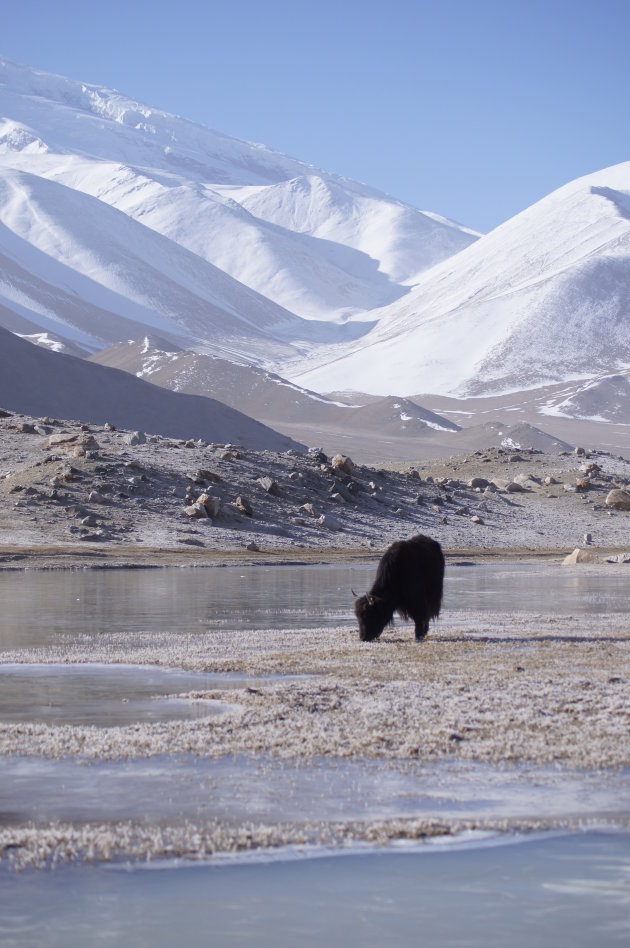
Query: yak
409 580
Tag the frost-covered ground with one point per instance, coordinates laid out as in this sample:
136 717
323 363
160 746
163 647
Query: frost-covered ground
497 722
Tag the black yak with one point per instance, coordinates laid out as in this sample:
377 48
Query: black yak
409 581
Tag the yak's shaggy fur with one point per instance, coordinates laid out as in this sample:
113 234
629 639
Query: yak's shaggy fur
409 580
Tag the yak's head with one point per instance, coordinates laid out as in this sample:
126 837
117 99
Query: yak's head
373 615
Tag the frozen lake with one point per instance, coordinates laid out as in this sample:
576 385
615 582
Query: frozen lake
506 888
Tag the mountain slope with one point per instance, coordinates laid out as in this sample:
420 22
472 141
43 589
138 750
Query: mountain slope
265 395
38 382
314 243
543 298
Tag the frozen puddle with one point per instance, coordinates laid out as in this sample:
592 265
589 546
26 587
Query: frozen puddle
106 695
236 789
554 890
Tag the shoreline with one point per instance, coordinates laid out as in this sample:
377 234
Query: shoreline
115 557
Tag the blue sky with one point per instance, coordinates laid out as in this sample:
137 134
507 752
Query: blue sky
471 109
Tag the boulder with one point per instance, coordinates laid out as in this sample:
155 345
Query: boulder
135 437
196 510
204 475
268 484
579 556
510 487
59 440
328 521
342 463
244 505
478 483
212 504
618 499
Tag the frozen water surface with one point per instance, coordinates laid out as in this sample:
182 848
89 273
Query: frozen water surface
556 890
39 607
105 695
272 791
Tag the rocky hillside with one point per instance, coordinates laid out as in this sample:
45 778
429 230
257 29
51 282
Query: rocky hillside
99 491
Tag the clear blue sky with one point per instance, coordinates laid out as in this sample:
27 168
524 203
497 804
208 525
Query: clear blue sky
470 109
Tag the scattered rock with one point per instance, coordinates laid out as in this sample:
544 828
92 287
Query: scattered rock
135 437
253 547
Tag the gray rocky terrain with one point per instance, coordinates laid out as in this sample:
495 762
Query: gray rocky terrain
69 486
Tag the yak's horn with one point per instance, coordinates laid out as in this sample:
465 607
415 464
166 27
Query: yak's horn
353 593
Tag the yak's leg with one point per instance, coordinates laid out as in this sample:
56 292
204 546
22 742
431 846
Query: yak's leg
422 627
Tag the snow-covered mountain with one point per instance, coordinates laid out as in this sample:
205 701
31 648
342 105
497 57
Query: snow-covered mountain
137 217
118 221
543 298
